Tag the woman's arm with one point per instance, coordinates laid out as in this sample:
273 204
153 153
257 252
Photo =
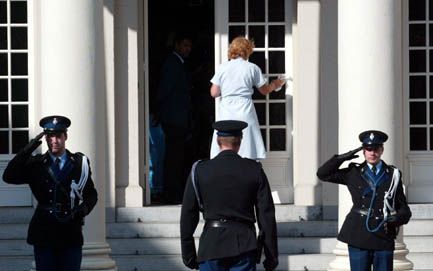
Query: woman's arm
215 91
273 85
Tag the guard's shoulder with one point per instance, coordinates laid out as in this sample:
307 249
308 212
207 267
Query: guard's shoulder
77 156
253 162
200 162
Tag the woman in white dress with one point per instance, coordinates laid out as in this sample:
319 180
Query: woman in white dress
233 82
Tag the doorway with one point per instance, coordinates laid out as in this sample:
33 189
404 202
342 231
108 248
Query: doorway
166 18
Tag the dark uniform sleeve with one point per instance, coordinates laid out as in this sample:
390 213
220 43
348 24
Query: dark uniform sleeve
265 211
90 196
16 172
189 219
330 172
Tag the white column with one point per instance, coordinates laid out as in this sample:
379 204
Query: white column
129 139
370 91
306 104
72 83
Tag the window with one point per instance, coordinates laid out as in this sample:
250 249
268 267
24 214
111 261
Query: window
14 76
264 22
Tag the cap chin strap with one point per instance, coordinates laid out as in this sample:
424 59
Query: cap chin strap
77 188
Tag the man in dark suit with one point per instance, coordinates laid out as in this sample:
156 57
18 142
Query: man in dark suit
174 114
62 184
379 204
232 192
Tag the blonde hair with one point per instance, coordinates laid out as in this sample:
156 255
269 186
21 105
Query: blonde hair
232 141
241 47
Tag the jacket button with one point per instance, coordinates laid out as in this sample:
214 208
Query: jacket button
51 212
51 201
363 205
50 190
363 197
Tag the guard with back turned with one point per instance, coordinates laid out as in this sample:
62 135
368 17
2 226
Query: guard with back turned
231 192
62 184
379 204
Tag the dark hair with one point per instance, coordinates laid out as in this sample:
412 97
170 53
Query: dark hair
180 36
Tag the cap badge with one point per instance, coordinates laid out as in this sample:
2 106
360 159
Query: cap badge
371 136
55 121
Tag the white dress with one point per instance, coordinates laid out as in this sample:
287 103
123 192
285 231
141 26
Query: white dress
236 79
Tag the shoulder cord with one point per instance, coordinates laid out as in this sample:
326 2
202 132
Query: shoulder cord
196 186
76 188
388 201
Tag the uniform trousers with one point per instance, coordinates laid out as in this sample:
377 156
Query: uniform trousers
58 259
243 262
363 259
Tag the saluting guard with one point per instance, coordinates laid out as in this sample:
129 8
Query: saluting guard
62 184
231 192
379 204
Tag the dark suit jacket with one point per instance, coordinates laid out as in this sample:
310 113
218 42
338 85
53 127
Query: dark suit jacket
233 188
48 227
354 231
174 94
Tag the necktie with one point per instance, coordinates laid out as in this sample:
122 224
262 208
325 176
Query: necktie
56 166
373 168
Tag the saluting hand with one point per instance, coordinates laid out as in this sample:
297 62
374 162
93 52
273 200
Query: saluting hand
33 144
350 154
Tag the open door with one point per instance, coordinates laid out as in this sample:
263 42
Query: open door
163 19
268 23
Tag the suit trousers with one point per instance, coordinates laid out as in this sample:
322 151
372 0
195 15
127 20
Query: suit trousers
243 262
363 259
58 259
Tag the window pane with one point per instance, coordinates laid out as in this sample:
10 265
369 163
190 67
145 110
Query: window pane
431 112
3 90
19 63
418 139
257 95
19 140
278 140
417 113
417 87
20 116
431 138
18 12
19 38
276 62
258 58
20 90
276 36
3 13
257 33
263 131
4 116
236 10
417 61
430 7
3 64
277 114
235 31
416 10
417 35
4 142
430 35
256 10
431 87
276 11
3 38
261 112
431 59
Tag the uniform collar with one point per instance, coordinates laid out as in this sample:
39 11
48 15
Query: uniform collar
179 56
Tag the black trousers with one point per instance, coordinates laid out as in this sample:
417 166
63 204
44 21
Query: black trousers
177 161
58 259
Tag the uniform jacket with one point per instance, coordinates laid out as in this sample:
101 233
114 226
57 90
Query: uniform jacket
354 231
52 223
232 188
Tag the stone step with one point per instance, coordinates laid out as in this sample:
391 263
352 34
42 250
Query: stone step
171 246
285 229
16 263
419 244
174 262
422 260
284 212
15 248
16 214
